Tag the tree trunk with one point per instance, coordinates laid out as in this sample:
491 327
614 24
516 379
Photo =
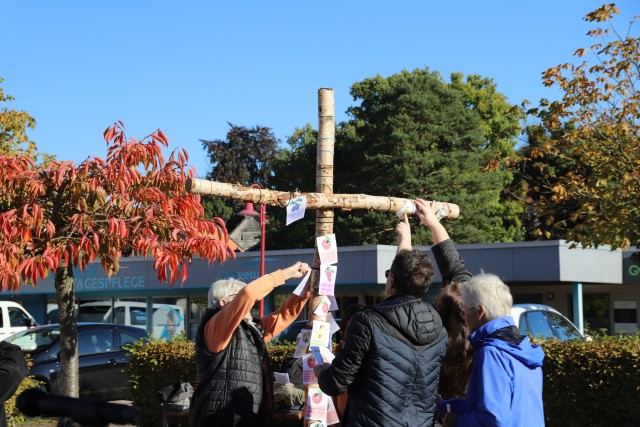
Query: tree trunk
68 383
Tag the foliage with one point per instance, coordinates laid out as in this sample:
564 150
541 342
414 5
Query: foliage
156 364
414 135
14 416
594 383
586 150
13 131
66 215
579 377
244 157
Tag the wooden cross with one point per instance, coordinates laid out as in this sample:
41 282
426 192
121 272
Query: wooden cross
324 201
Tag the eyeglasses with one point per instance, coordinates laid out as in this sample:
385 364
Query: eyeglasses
386 274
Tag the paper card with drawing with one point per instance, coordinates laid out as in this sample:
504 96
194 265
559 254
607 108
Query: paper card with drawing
303 343
320 333
296 208
327 249
328 275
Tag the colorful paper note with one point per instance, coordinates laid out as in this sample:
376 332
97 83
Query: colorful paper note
327 249
296 208
328 275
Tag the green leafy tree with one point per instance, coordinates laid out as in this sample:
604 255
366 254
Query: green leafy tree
13 129
414 135
592 137
245 158
65 215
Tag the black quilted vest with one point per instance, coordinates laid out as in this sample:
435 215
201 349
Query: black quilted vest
234 385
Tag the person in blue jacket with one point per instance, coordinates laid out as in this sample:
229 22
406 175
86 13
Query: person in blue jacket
505 387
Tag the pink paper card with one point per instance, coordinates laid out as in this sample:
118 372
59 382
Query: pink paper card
332 414
308 376
328 275
327 249
317 405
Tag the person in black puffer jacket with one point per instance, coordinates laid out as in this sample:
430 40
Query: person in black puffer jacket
392 352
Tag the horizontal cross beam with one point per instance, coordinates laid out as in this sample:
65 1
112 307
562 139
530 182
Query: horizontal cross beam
345 202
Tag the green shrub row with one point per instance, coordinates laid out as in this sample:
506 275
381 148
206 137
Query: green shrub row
586 383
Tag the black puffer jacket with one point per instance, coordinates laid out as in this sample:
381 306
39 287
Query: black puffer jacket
234 387
390 362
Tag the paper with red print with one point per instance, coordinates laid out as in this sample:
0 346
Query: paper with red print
328 275
308 376
317 405
320 333
323 307
296 208
327 249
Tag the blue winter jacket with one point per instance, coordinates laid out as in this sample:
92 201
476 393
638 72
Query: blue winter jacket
505 388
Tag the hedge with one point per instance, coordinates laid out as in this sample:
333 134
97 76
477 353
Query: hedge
586 383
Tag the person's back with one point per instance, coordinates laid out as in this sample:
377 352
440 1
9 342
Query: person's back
392 352
397 382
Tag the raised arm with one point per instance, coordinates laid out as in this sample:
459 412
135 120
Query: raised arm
428 217
403 231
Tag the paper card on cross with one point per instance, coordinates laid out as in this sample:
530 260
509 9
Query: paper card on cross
334 327
303 343
332 414
298 290
327 249
323 307
317 405
327 279
334 303
308 376
320 333
296 208
408 209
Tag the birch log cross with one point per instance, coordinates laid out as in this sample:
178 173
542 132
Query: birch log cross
324 201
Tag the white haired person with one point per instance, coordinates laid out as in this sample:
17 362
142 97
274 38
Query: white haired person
234 386
505 387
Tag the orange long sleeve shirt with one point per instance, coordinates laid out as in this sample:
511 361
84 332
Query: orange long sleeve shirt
219 329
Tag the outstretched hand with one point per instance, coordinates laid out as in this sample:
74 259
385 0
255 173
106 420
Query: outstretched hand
425 212
296 271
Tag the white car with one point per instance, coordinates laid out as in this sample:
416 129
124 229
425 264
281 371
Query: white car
13 319
542 321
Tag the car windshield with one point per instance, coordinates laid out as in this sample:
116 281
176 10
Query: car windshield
35 340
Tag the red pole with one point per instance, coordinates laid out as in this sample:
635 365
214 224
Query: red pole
263 226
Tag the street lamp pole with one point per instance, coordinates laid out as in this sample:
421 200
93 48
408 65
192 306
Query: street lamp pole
248 210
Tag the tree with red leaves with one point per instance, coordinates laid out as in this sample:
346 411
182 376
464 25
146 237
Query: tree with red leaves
66 215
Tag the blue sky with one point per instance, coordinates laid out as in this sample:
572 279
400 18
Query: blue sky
190 67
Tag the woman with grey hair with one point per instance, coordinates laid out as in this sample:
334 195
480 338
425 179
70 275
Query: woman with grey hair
234 386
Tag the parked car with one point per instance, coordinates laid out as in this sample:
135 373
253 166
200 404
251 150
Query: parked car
101 357
168 319
542 321
14 318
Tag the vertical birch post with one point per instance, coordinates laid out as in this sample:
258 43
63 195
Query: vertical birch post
324 185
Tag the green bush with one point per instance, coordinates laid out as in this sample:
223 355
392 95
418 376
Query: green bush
156 364
586 383
592 383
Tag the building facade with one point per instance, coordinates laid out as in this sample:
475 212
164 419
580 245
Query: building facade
597 288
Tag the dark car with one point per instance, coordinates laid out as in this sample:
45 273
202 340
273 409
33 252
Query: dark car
101 357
